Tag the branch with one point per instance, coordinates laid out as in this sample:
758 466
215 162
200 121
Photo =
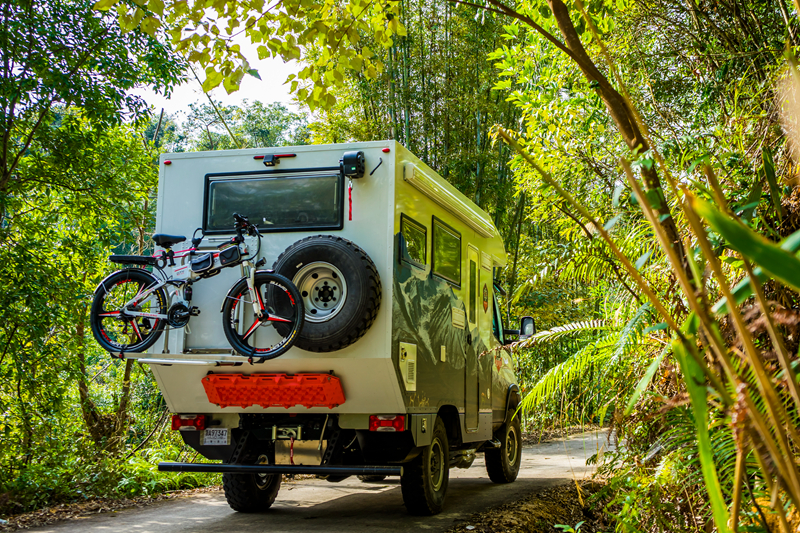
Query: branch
505 10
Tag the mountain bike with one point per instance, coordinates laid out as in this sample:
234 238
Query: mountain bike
133 306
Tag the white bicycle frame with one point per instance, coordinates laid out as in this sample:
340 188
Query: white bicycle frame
248 272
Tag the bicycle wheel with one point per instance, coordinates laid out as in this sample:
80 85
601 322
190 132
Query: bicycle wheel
113 328
281 304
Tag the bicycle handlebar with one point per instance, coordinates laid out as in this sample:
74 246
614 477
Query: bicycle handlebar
241 223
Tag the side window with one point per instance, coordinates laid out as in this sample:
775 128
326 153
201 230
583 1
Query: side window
446 252
472 255
416 236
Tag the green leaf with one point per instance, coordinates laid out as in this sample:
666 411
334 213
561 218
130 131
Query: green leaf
775 261
694 379
753 199
643 259
611 223
646 379
742 291
769 172
253 72
104 5
149 26
617 191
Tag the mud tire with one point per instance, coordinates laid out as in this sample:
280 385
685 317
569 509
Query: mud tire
246 494
502 464
363 291
425 479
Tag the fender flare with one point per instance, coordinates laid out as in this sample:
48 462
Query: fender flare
513 399
243 278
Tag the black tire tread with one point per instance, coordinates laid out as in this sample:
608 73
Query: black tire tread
496 465
374 298
244 496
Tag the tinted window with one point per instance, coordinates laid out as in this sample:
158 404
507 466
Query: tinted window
416 236
473 289
308 202
446 252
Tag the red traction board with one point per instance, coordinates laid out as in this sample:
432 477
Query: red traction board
274 390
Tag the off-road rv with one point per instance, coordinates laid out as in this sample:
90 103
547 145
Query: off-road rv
399 368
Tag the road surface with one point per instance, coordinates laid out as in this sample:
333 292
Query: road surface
352 506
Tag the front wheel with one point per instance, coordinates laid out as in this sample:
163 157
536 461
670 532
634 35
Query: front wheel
124 292
502 464
252 333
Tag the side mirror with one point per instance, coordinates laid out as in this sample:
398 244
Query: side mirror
527 328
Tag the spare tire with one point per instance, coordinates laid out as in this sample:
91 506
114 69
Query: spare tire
340 287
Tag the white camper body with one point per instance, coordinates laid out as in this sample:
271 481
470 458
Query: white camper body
432 353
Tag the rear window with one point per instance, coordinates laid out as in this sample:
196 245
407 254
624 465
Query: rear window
274 203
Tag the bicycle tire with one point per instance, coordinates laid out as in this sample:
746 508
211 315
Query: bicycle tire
284 296
117 333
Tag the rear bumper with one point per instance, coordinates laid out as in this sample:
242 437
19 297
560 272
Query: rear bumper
282 469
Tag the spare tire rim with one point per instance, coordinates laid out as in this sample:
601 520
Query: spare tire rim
323 289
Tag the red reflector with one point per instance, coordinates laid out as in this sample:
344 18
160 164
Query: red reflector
189 422
167 162
387 422
274 390
258 157
385 150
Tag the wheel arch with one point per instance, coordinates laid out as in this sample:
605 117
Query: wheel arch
452 423
513 399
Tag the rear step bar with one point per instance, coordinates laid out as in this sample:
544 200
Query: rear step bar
282 469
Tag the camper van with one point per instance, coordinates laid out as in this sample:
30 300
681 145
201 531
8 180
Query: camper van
400 367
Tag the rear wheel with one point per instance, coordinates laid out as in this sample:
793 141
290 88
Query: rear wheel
251 493
280 305
425 479
502 464
117 296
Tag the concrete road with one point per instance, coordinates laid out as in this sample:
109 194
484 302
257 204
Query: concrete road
352 506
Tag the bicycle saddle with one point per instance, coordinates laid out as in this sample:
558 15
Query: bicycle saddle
166 241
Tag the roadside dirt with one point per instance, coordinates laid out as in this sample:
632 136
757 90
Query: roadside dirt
69 511
540 512
540 436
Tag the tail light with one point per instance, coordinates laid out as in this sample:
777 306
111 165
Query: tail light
387 423
189 422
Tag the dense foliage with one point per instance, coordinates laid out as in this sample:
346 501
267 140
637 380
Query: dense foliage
638 157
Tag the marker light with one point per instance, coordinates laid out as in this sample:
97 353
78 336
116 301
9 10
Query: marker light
189 422
387 422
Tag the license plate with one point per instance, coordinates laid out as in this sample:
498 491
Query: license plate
216 437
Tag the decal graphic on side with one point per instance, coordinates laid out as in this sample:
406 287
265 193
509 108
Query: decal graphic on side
485 298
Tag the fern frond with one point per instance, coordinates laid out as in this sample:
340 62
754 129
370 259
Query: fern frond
560 331
565 373
631 333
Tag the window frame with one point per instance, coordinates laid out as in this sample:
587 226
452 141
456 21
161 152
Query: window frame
322 172
497 319
436 220
412 222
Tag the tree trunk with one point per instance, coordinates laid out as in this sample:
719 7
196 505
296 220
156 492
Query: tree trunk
624 118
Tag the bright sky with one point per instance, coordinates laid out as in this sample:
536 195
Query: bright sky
268 89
